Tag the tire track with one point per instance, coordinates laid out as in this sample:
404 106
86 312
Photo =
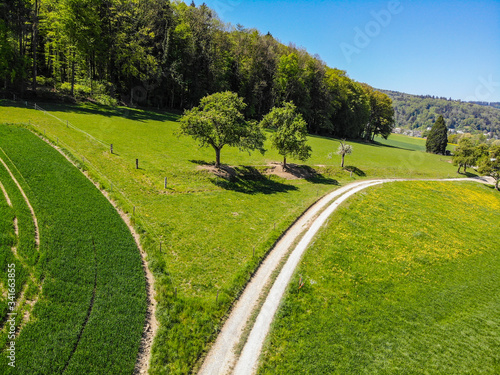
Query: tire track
37 230
89 312
22 304
7 198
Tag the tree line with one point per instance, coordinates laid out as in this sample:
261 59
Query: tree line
170 55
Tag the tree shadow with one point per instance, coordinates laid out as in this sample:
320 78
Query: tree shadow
469 174
355 170
313 176
323 180
135 114
249 180
379 144
200 162
362 142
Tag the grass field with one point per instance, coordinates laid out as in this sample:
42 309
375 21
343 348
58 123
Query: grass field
200 232
8 239
90 312
18 249
402 280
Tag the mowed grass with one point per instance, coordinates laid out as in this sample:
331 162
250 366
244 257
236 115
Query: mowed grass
201 232
404 279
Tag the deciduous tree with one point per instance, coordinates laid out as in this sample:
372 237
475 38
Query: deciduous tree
490 165
465 154
343 150
290 135
219 121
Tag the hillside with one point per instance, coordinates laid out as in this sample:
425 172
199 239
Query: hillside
420 112
205 235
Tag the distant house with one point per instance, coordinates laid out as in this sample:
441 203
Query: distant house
412 133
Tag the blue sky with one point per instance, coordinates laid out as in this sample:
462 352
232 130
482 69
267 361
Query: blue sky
441 48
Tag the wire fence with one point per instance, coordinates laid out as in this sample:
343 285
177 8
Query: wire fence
85 160
68 124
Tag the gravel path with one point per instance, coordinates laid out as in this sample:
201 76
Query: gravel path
222 359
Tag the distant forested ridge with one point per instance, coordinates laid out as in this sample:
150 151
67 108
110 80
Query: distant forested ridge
420 112
165 54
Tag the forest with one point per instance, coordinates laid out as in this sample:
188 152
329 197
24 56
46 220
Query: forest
420 112
169 55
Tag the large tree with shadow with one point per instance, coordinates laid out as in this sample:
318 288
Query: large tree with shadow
219 121
290 135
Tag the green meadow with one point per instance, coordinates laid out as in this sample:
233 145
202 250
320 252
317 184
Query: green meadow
402 280
201 232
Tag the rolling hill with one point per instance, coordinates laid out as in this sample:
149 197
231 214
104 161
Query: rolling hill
419 112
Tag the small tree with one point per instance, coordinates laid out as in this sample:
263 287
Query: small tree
438 137
465 154
490 165
343 150
218 121
290 136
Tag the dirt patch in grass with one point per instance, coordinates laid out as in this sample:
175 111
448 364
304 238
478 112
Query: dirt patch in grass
291 172
224 171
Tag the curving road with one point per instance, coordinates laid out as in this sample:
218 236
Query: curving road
222 357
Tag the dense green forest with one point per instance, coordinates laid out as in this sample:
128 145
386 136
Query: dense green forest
420 112
156 53
488 104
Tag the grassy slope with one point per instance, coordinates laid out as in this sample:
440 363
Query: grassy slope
208 228
71 214
404 279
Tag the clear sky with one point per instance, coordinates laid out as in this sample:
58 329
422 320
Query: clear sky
443 48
